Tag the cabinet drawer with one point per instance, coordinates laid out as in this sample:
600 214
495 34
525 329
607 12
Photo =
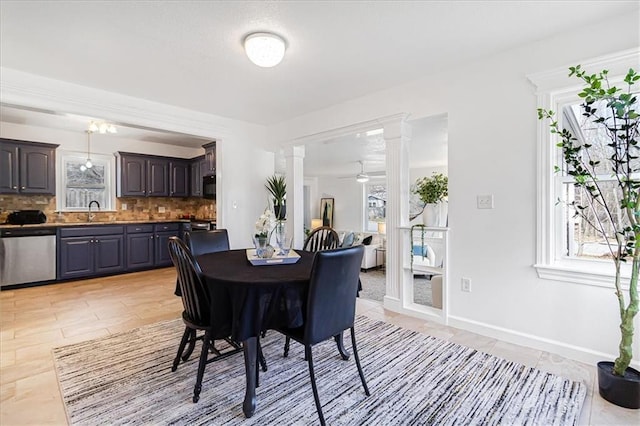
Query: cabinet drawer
161 227
84 231
135 229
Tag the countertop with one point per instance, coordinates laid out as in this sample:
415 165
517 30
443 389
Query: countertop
116 222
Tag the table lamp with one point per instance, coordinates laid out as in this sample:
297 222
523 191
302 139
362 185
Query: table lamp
382 230
316 223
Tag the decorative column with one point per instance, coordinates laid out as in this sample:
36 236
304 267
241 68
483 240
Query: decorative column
294 156
397 135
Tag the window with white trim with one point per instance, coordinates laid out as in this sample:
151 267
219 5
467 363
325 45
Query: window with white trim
567 248
78 185
376 205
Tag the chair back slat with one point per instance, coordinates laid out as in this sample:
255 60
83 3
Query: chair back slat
331 303
203 242
195 298
323 238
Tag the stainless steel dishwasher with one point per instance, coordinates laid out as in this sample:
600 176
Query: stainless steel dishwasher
27 255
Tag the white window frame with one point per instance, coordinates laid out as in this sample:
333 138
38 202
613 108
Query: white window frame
555 89
108 161
366 187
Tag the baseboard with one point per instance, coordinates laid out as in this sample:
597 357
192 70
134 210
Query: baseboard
577 353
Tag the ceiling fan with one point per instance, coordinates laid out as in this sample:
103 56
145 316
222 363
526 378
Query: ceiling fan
362 177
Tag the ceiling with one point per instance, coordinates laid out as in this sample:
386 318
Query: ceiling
189 54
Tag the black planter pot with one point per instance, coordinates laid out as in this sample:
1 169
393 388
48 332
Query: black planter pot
622 391
280 211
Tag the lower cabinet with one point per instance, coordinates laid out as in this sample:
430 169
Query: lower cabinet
147 245
93 250
90 250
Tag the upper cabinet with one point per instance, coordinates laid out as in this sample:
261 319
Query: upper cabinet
27 167
179 178
210 158
152 176
142 176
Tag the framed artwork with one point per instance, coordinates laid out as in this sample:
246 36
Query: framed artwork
326 211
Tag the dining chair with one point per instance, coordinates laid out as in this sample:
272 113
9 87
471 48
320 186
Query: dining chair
323 238
202 242
196 314
331 307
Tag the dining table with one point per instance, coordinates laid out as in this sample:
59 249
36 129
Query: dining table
249 299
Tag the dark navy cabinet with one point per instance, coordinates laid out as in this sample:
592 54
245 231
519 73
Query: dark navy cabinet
27 167
162 234
140 246
90 250
179 171
198 169
142 176
210 158
147 244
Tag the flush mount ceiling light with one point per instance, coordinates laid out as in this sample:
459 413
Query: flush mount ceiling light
362 177
264 49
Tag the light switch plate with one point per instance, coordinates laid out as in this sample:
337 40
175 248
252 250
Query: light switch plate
485 201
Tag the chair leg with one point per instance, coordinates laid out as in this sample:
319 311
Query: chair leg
287 342
201 365
261 359
308 356
340 343
192 345
183 343
355 355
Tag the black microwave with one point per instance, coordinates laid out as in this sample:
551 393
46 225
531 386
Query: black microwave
209 187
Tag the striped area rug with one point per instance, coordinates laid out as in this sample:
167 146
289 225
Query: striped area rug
413 378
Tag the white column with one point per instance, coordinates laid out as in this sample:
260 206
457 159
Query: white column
294 156
397 135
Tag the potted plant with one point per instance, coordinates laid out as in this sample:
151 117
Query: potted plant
277 187
433 192
615 112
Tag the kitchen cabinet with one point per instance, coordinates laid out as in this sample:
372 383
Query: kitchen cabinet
179 171
147 244
162 234
90 250
142 176
198 169
140 246
210 158
27 167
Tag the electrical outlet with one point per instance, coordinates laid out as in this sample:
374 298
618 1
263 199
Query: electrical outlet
123 206
160 209
466 285
485 201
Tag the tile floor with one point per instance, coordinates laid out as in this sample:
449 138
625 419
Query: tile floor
35 320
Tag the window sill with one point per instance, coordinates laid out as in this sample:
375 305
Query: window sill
600 274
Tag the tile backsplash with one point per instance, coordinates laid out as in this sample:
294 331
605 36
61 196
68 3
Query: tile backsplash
147 208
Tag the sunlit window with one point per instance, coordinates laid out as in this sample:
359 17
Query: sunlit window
376 203
78 185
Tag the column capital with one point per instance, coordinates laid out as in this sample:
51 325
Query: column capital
296 151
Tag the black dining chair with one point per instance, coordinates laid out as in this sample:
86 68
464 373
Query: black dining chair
331 307
202 242
196 314
323 238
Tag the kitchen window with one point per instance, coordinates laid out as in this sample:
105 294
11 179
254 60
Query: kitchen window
78 185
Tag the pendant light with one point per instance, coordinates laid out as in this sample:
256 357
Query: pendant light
88 164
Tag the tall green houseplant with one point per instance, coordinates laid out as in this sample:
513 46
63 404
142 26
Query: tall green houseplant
615 110
277 187
432 189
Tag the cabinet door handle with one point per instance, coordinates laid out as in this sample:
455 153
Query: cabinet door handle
151 237
15 187
23 187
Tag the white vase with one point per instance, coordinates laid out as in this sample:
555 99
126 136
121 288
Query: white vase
435 215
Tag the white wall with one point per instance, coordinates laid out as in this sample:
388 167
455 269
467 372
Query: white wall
348 198
492 145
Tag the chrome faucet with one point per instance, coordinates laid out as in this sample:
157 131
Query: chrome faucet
91 216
